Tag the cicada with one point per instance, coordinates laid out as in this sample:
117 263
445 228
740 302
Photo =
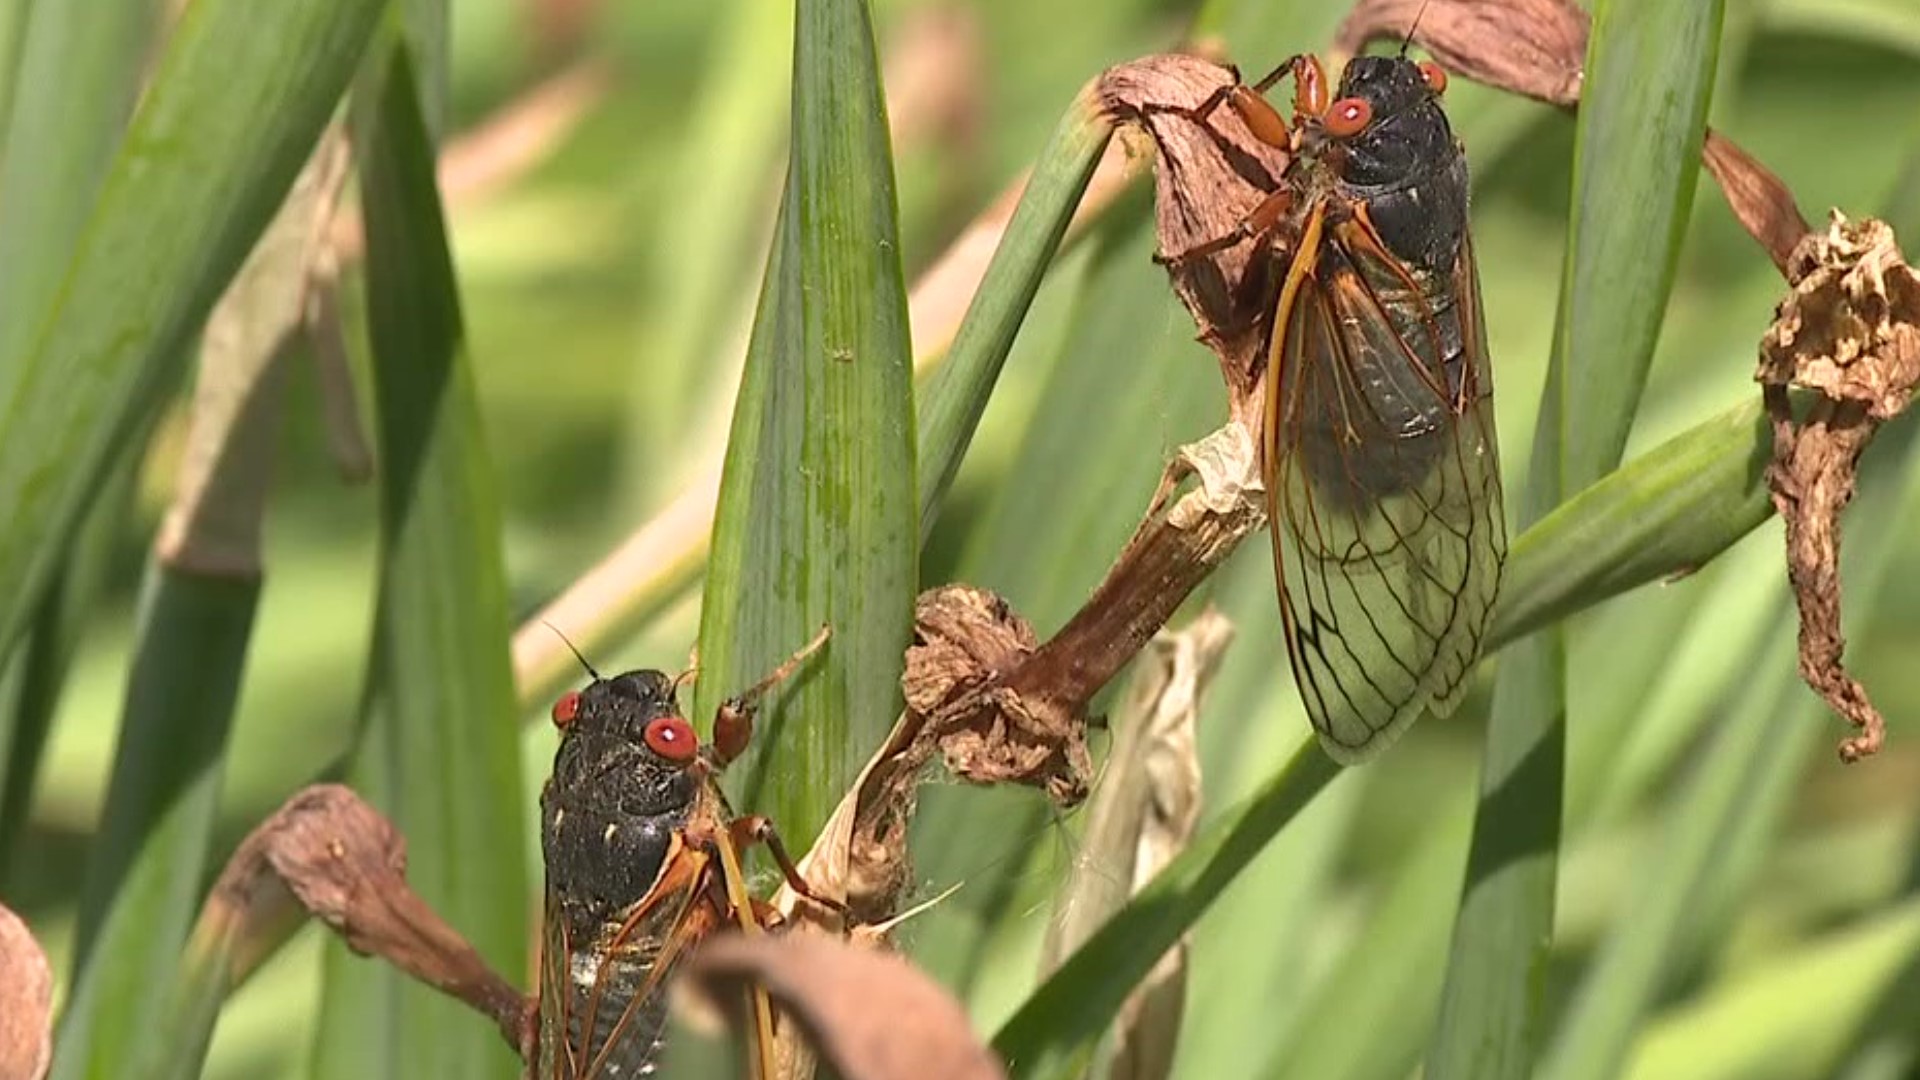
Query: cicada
1378 449
642 861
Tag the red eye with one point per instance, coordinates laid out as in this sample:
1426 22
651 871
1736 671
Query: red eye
565 709
1436 76
1348 116
672 738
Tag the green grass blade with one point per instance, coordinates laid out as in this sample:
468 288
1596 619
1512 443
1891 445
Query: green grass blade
439 751
1800 1012
144 882
30 693
13 31
818 519
147 870
67 84
232 111
1054 1032
1369 1018
1721 824
955 396
1649 74
1667 512
80 70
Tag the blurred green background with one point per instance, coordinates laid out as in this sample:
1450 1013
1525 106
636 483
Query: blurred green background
608 284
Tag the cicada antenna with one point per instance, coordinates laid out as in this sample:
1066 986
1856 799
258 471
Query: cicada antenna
1412 27
570 648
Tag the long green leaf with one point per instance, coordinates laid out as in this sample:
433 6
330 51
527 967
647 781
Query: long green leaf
80 68
238 99
144 883
439 751
818 520
1649 74
63 108
30 691
1667 512
1085 468
13 31
1053 1033
955 395
149 865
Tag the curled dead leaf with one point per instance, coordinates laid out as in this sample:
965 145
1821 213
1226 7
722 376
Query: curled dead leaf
966 640
1849 331
26 1002
345 864
1531 47
870 1014
1209 177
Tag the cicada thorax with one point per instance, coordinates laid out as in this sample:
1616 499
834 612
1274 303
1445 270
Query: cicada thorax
627 889
1391 197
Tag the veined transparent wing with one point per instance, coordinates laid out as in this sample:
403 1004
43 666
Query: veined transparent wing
1383 483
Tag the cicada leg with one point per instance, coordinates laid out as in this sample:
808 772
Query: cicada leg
755 829
733 724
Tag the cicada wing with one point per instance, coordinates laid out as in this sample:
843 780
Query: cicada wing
603 1005
1383 484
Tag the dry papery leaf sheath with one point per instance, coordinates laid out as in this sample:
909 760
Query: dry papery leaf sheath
1208 178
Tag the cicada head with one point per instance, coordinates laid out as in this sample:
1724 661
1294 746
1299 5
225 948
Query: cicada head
1386 139
626 776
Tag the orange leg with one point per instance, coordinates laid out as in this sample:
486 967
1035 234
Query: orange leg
754 829
733 724
1258 221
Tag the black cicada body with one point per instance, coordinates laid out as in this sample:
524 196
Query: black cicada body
642 858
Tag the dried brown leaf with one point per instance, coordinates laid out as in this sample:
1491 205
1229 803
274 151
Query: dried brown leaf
26 1002
1849 331
870 1014
213 526
965 641
1209 178
1758 198
1169 556
1531 47
345 864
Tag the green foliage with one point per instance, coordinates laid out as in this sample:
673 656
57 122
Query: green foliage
1695 889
